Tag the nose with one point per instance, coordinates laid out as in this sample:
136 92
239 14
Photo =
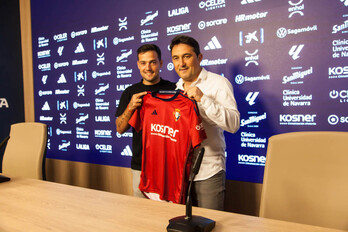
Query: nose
182 62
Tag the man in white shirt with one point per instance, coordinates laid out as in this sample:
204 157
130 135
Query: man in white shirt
218 109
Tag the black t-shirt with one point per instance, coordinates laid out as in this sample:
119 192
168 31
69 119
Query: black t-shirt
124 101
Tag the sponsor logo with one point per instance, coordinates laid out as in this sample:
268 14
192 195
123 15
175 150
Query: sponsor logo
297 119
148 36
96 74
217 22
64 145
61 91
293 79
81 133
102 118
43 42
206 62
256 16
46 119
63 105
250 98
78 33
164 131
212 4
123 57
80 76
122 87
60 50
253 121
257 36
117 40
81 105
295 51
44 67
99 29
3 103
124 135
250 140
63 132
100 104
127 151
44 54
240 79
103 133
100 59
61 37
82 119
296 8
61 65
63 118
338 72
252 57
123 72
178 11
213 44
61 79
122 24
345 2
46 107
149 18
79 48
100 43
255 160
340 48
295 98
283 32
342 95
340 28
103 148
84 147
81 90
243 2
179 29
79 62
170 66
334 119
45 93
102 88
44 79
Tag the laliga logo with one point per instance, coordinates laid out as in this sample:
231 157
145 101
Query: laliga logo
345 2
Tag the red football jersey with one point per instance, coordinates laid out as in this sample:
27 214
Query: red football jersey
171 128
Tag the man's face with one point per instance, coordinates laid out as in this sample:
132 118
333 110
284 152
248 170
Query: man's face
149 66
186 62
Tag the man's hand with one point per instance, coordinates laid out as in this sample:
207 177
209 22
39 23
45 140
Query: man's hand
136 101
194 93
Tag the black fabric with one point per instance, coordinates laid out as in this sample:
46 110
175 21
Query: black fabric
125 99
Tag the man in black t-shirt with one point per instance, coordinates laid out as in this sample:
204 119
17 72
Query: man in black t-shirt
149 64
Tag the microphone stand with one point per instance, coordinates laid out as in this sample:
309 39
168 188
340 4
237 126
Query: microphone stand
189 222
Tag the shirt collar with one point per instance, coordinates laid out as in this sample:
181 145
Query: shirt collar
202 76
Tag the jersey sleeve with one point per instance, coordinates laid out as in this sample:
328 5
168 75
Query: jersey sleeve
136 121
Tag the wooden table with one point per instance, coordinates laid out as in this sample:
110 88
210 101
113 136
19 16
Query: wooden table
34 205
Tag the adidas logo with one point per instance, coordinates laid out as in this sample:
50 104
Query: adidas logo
213 44
61 79
127 151
154 112
46 107
79 48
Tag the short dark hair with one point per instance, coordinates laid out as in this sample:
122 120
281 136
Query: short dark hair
184 39
149 47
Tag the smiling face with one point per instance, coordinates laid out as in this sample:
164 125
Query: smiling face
186 62
149 66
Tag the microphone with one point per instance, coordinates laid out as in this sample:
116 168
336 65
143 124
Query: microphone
189 222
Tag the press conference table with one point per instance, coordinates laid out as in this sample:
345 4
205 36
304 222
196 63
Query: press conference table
35 205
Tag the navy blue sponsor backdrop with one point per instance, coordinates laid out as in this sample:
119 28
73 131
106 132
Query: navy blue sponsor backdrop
11 77
287 61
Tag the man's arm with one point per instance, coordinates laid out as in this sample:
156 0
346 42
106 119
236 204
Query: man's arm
122 121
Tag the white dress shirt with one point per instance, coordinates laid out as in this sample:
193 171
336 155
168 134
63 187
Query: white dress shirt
218 109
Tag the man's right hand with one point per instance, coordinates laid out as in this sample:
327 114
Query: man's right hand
136 100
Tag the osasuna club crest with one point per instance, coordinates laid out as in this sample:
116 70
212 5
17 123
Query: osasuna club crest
176 114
